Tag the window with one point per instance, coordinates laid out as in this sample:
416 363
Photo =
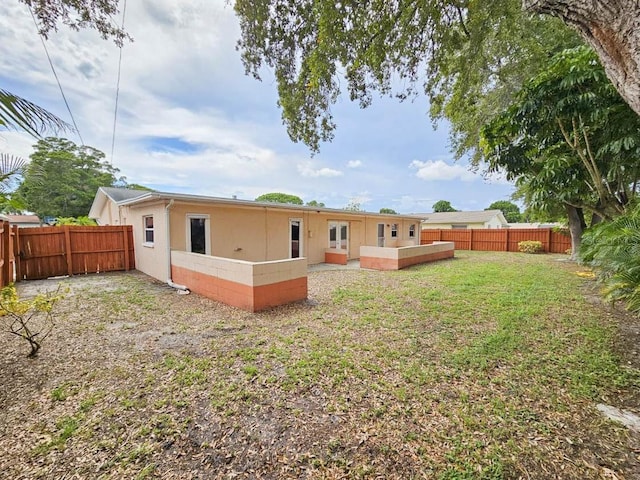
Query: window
198 234
412 231
394 230
148 229
461 227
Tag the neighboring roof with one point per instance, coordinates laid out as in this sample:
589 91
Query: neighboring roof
481 216
116 195
140 197
23 219
120 194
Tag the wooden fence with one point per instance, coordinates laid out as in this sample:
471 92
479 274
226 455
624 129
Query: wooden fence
7 257
498 240
69 250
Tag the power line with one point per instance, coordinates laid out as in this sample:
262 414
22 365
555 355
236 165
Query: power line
56 76
115 111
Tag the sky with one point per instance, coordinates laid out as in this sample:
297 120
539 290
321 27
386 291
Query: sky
190 121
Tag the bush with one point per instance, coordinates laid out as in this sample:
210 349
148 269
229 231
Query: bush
530 246
612 249
30 319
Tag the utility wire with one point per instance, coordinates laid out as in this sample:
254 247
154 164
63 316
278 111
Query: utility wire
115 111
56 76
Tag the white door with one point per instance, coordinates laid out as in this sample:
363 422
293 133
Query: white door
339 235
381 234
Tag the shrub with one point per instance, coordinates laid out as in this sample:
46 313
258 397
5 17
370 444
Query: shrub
530 246
612 249
30 319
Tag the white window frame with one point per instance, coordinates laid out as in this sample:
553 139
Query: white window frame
207 231
412 230
394 230
146 229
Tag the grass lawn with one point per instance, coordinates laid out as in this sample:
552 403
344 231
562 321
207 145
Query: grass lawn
487 366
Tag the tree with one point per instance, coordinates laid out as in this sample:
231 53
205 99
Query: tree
353 206
612 28
569 139
389 211
78 14
467 57
277 197
62 178
443 206
20 114
510 210
315 203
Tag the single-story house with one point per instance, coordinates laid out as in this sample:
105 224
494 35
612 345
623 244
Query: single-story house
464 220
245 253
24 221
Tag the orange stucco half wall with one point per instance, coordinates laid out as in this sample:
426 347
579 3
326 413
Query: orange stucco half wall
385 258
242 296
250 286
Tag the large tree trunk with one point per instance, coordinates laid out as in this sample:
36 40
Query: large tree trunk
576 227
612 28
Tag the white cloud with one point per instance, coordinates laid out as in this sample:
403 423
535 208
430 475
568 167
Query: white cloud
306 170
433 170
354 163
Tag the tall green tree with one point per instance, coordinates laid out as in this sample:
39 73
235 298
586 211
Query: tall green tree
467 57
389 211
443 206
62 178
569 139
510 210
277 197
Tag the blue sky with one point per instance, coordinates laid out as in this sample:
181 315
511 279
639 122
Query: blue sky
190 121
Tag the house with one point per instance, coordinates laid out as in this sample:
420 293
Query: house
24 221
249 254
464 220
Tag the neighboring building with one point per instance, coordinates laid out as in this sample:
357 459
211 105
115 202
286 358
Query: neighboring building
523 225
228 235
24 221
464 220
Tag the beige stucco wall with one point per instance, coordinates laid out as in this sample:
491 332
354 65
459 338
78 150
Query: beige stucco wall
262 234
253 234
152 259
109 215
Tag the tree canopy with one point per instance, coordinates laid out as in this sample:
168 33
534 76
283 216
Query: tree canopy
389 211
569 139
277 197
510 210
443 206
467 57
315 203
62 178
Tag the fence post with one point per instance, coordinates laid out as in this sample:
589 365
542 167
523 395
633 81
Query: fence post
125 233
506 242
471 239
6 266
16 253
67 246
548 240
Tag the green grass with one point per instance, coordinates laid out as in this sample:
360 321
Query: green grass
487 366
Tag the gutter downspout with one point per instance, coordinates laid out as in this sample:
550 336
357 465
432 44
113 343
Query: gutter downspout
182 288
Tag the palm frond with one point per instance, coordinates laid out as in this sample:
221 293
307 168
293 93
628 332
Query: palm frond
20 114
